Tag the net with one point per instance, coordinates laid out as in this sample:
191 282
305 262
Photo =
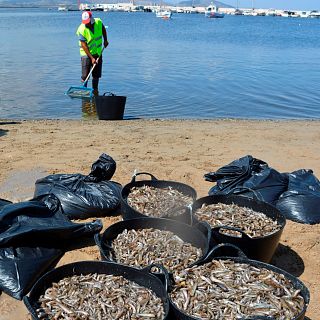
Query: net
80 92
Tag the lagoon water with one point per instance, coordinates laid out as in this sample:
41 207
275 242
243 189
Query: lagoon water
189 67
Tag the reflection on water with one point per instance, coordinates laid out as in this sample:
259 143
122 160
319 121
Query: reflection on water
88 107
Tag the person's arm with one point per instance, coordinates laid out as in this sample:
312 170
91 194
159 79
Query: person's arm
87 51
104 33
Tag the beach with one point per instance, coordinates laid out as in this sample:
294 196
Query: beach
178 150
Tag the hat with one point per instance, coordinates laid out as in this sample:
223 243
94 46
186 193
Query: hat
87 17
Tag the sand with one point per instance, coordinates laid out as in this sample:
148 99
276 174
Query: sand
178 150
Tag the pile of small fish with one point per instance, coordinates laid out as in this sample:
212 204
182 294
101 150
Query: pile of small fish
224 289
253 223
99 296
158 202
143 247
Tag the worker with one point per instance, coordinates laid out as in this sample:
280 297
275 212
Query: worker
92 36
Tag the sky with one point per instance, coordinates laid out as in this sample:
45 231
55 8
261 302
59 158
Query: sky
276 4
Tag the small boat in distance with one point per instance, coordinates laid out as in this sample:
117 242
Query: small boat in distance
62 8
314 14
212 12
164 14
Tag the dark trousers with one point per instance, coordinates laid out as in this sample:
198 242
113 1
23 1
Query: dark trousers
86 66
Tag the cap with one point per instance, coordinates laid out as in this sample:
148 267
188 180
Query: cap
87 17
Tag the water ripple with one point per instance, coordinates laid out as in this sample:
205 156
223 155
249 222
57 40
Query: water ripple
189 67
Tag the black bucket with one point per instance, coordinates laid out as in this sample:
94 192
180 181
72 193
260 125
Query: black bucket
259 248
143 277
199 235
231 252
129 212
110 107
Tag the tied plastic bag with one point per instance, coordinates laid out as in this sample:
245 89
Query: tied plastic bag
33 236
40 221
21 267
301 202
83 196
248 177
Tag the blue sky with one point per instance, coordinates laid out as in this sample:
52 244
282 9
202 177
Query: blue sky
277 4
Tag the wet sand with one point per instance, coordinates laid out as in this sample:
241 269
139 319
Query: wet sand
172 150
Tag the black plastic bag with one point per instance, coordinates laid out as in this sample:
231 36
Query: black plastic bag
301 202
4 202
103 169
33 236
21 267
249 177
40 222
235 172
83 196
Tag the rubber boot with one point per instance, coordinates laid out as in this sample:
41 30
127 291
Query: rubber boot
95 83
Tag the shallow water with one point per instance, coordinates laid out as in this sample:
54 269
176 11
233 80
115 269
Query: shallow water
187 67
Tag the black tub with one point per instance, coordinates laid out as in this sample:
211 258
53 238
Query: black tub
259 248
142 277
110 107
198 235
128 212
230 252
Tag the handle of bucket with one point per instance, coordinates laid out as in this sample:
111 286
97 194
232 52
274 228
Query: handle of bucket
135 174
97 240
191 215
218 229
185 208
32 310
163 270
109 94
214 252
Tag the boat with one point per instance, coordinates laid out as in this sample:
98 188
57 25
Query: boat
62 8
164 14
314 14
212 12
271 13
238 12
304 14
70 7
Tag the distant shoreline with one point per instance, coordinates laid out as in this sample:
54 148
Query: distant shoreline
24 7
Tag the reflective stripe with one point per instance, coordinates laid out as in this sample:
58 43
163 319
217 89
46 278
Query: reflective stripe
93 39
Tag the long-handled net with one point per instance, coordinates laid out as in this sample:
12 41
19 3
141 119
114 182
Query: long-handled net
83 91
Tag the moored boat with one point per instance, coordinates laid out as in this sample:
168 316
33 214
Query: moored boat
212 12
62 8
314 14
164 14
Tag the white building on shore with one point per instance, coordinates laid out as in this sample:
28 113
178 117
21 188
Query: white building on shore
131 7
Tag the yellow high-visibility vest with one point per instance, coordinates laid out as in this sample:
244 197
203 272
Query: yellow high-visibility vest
94 39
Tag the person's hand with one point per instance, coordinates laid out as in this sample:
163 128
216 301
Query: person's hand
106 43
93 60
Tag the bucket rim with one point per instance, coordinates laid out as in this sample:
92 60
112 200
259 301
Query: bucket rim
161 184
71 269
276 214
130 224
